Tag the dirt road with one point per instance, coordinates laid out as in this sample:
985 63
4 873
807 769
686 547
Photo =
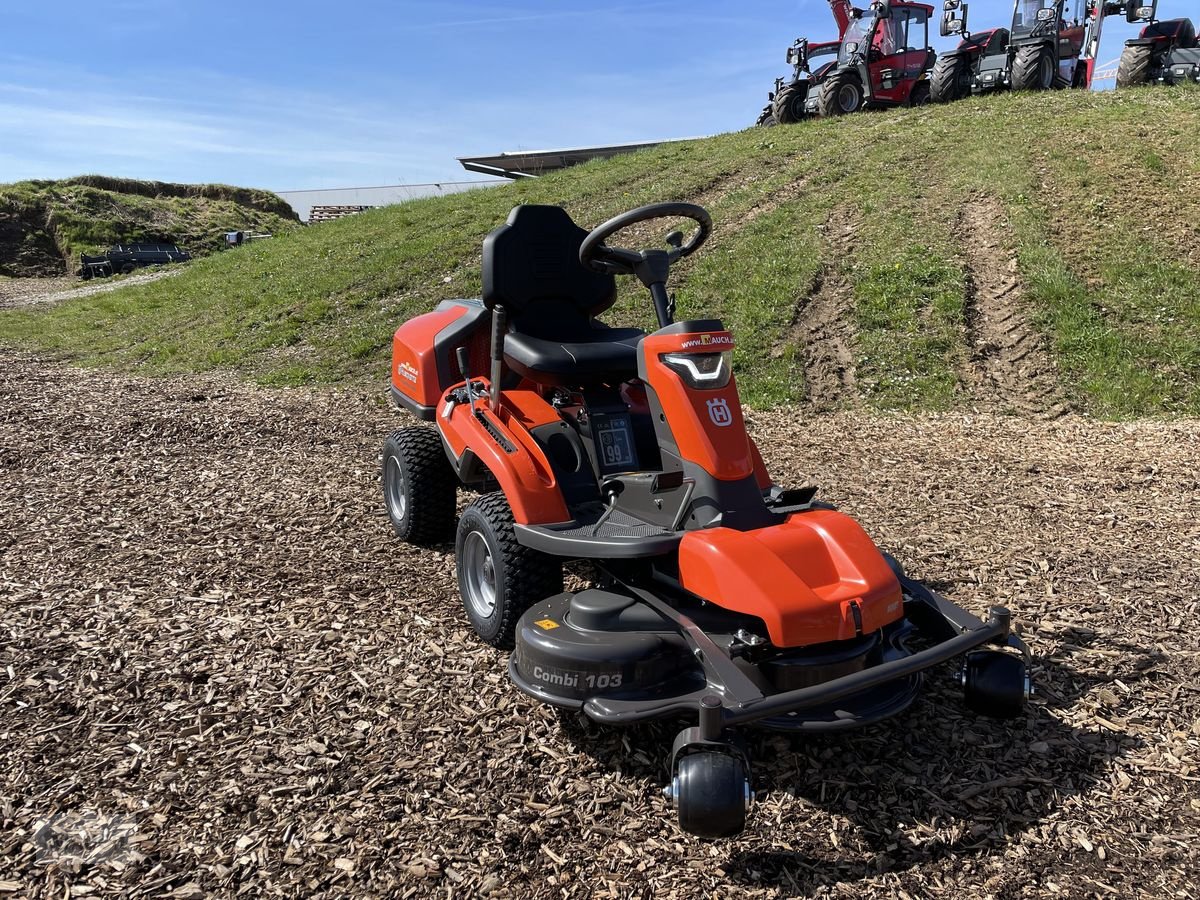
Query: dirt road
219 673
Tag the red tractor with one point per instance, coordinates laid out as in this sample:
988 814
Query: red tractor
786 102
883 61
1051 44
1165 52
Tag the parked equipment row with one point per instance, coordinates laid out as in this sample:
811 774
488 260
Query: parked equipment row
882 56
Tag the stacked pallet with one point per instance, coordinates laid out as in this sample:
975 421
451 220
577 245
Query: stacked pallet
329 213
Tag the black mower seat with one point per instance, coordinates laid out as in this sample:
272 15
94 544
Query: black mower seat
531 268
598 354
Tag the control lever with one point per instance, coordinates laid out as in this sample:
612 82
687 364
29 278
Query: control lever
464 394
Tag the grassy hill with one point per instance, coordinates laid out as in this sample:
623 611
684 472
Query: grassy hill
1042 250
45 225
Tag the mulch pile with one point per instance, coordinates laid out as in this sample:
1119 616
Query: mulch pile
221 675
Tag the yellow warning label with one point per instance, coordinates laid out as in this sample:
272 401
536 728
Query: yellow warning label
546 624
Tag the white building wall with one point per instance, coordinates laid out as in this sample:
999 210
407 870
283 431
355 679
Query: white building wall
303 201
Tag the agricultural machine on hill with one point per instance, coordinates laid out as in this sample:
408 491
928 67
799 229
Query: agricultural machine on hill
1166 52
884 61
1051 44
785 104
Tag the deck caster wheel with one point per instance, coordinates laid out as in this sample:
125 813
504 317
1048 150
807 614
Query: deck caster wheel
711 792
995 684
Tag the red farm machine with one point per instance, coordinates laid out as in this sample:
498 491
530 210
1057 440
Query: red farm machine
1050 44
882 60
1165 52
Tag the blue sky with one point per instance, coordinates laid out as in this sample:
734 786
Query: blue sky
306 95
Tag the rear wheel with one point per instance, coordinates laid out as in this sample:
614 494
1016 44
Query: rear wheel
788 106
840 94
1033 69
498 578
949 79
419 488
128 269
1134 68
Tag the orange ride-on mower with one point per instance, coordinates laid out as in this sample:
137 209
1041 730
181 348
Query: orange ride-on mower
720 595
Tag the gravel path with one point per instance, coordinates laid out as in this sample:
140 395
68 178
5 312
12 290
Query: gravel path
32 291
220 674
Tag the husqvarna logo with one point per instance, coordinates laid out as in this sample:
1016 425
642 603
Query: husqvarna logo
718 411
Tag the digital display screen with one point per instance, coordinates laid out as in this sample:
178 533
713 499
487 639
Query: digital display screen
614 440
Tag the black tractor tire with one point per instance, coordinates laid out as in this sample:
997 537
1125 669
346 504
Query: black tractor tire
86 274
1034 68
128 268
710 794
840 94
1134 67
948 82
766 118
919 95
788 106
498 578
420 490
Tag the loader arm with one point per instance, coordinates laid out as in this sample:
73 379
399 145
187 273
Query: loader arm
842 13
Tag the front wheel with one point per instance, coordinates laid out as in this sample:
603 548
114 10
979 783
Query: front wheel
948 82
788 106
1033 69
498 578
766 119
841 94
711 792
1134 68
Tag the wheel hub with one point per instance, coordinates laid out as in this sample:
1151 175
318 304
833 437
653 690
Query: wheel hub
397 495
480 570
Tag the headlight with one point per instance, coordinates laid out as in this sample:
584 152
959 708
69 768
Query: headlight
703 371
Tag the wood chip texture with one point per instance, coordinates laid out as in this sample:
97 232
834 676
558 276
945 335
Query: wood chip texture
220 675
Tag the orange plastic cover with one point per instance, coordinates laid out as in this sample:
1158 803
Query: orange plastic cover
707 425
414 359
803 578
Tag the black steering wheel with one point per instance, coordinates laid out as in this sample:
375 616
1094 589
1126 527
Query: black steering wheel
596 256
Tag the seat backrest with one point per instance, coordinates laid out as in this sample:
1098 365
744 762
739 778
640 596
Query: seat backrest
531 267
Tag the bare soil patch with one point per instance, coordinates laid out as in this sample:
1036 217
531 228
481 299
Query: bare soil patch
821 324
1010 364
15 292
220 674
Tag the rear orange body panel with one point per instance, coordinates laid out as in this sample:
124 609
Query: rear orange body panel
707 425
414 363
803 578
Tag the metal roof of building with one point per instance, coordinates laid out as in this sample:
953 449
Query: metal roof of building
531 163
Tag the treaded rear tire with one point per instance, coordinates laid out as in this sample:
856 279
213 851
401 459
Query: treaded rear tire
1134 68
766 119
420 490
520 576
948 81
830 99
788 106
1030 68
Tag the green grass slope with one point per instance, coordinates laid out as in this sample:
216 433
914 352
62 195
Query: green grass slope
45 225
1095 202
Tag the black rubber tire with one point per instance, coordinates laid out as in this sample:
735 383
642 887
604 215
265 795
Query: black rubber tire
711 794
835 91
128 268
919 95
86 274
788 105
1134 67
519 576
1034 69
766 119
994 684
948 82
420 490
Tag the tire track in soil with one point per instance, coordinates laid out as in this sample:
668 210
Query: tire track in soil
822 322
1009 362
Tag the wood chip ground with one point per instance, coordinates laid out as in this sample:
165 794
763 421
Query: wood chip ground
221 676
